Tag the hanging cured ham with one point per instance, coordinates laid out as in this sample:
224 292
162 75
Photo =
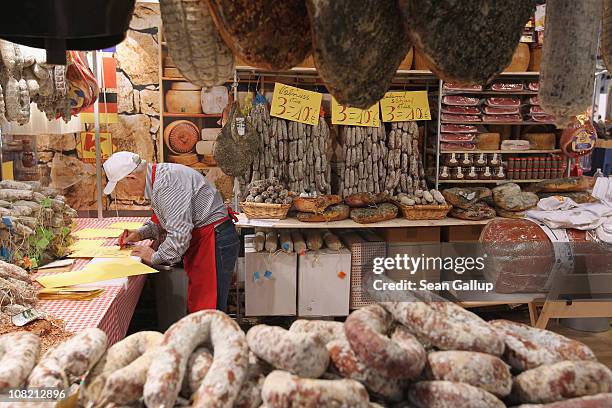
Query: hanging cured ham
358 47
268 34
194 43
569 57
468 42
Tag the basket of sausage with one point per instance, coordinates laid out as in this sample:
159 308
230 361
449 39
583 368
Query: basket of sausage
255 210
425 212
267 199
423 205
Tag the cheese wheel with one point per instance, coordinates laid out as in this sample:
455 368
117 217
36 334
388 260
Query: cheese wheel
181 136
179 101
541 141
488 141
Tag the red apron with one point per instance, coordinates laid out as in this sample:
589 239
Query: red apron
200 263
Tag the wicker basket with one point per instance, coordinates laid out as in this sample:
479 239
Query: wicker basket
263 210
425 212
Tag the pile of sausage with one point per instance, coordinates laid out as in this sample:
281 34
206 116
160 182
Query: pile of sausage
293 152
409 354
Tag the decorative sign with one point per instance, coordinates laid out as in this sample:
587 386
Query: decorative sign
86 148
405 106
296 104
345 115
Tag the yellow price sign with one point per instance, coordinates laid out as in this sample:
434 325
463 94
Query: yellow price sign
346 115
295 104
405 106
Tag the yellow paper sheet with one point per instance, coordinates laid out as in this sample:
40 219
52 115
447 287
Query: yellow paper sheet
86 244
98 233
97 272
7 171
101 252
126 224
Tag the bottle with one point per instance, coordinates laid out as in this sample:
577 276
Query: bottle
598 173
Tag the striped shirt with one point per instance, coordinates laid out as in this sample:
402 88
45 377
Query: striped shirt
182 199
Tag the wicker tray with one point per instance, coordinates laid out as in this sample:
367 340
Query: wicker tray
425 212
263 210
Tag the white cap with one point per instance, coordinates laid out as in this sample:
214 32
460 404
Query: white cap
118 166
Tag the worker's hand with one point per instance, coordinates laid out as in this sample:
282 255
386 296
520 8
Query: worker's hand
144 253
129 236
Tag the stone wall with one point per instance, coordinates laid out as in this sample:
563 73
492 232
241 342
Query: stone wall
138 126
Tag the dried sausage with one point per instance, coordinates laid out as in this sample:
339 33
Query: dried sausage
69 360
567 379
224 378
447 326
303 354
18 355
284 390
350 366
327 330
446 394
529 347
399 357
478 369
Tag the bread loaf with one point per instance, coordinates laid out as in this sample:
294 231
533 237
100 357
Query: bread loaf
383 212
529 347
559 381
478 369
336 212
446 394
365 199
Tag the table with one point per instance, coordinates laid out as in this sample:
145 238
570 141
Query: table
111 311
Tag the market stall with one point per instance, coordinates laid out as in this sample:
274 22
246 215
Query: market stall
407 171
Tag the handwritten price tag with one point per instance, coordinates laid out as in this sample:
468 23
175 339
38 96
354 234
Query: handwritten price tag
344 115
296 104
405 106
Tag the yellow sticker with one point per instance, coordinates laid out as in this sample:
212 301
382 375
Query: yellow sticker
346 115
405 106
97 272
86 148
295 104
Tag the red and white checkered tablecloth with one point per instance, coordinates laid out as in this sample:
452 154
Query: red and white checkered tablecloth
111 311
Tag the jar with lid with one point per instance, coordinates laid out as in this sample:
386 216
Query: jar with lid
486 175
459 174
453 160
472 175
495 160
500 174
467 160
445 173
481 160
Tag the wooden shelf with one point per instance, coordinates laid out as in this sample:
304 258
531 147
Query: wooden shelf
446 92
488 181
191 115
243 221
180 79
501 151
525 123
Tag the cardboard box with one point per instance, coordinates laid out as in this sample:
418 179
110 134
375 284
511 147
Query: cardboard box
463 233
324 283
270 283
412 234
